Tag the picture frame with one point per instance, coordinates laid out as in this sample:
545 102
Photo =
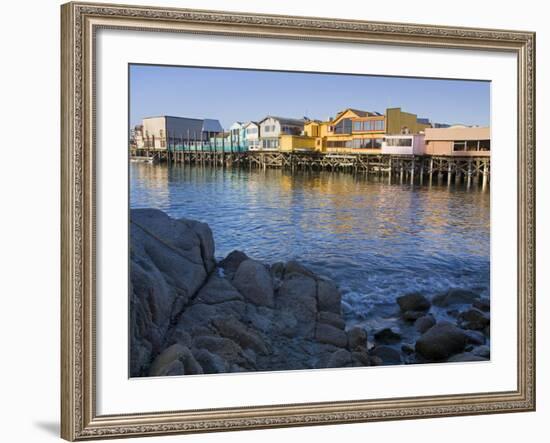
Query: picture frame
80 23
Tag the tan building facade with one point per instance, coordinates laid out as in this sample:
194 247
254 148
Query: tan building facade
458 141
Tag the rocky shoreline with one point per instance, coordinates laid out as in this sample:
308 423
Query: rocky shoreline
192 315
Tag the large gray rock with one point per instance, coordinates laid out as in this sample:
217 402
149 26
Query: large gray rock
298 296
329 297
357 339
169 261
424 323
415 302
175 360
473 319
441 341
329 334
387 336
231 263
388 355
455 296
254 282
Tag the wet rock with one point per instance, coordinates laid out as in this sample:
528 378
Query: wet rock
360 358
413 302
339 359
465 357
407 348
388 355
328 296
331 318
482 304
473 319
387 336
175 360
475 337
297 295
441 341
412 315
455 296
357 339
254 282
482 351
326 333
235 330
293 267
424 323
231 263
210 363
376 361
169 261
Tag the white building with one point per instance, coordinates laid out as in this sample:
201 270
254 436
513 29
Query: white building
252 136
273 127
404 144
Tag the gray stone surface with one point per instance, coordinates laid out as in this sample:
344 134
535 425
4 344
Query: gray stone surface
441 341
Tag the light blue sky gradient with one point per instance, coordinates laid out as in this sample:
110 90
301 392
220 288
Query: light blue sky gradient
231 95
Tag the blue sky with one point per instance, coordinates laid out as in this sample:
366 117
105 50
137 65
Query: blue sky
240 95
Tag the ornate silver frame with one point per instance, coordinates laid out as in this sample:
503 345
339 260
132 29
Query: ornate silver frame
80 21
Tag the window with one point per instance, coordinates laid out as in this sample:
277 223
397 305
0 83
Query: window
379 125
472 145
406 142
357 126
343 126
485 145
459 146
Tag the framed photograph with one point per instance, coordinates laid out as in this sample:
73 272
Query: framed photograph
283 221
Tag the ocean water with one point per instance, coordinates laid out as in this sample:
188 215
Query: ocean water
378 240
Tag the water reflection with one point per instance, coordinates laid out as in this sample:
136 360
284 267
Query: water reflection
377 240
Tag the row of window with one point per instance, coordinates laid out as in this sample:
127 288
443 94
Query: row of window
369 125
399 141
357 143
472 145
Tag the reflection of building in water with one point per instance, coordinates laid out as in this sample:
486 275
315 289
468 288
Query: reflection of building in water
152 182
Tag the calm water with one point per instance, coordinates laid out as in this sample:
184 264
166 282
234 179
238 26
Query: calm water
376 240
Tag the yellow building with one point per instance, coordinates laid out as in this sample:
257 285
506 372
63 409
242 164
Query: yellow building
353 131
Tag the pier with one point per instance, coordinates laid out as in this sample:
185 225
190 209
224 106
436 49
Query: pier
452 169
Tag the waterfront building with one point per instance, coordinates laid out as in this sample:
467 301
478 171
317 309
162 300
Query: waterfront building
272 128
355 131
252 136
158 132
461 141
404 144
238 136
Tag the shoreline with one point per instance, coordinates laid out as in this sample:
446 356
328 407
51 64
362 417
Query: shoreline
192 314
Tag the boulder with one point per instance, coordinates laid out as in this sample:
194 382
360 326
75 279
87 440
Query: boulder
357 339
360 358
387 336
388 355
482 351
254 282
231 263
413 302
424 323
331 318
175 360
455 296
407 348
441 341
475 337
339 359
482 304
326 333
473 319
412 316
297 296
233 329
465 357
328 296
